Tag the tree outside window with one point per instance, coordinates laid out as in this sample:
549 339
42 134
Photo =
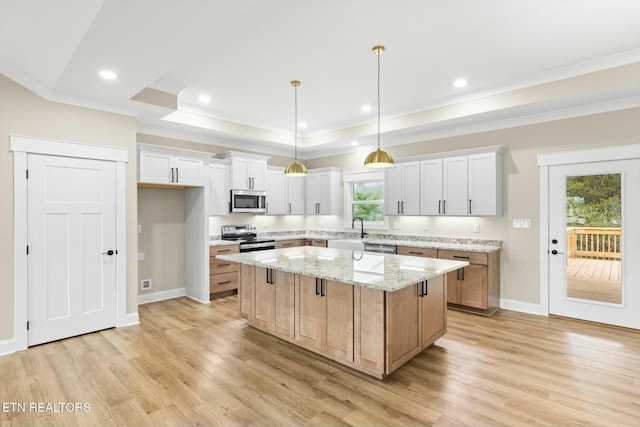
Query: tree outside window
368 202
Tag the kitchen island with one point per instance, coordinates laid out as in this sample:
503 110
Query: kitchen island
371 312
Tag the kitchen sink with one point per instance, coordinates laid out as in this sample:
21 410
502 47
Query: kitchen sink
352 244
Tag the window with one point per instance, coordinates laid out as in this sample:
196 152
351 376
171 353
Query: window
364 198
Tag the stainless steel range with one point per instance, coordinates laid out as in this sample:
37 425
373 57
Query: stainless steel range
247 236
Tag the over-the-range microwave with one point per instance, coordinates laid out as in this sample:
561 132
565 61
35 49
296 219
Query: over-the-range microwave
252 201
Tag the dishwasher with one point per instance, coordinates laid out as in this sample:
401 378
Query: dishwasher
378 248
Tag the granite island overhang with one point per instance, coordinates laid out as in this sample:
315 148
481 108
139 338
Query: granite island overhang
371 312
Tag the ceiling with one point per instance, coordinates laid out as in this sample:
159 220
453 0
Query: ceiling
525 61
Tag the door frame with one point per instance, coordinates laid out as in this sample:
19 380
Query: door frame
21 148
603 154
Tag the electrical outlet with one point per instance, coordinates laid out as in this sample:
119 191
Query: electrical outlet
140 256
425 226
397 225
139 229
476 228
145 284
522 223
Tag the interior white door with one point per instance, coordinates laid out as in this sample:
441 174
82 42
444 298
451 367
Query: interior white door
594 242
72 247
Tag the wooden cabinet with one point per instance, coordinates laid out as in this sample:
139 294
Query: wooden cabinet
476 287
462 185
411 251
223 275
218 189
324 317
155 167
321 243
247 171
402 189
273 303
289 243
323 191
245 291
285 194
369 329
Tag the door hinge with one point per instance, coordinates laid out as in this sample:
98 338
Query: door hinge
27 325
27 173
27 249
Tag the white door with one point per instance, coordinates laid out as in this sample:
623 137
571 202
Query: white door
71 231
594 242
431 187
455 182
155 168
483 184
393 190
188 171
411 188
295 195
276 192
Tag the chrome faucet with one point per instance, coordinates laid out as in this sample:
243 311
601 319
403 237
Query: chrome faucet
353 222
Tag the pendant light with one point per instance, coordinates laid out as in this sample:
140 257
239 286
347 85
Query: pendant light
295 168
378 158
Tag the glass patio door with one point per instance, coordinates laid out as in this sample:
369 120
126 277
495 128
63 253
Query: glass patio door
594 247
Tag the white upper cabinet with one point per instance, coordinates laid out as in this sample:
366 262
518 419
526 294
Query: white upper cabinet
323 191
431 187
462 185
218 189
454 189
248 171
285 194
169 166
485 184
402 189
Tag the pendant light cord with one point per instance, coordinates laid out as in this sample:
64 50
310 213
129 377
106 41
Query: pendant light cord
378 55
295 143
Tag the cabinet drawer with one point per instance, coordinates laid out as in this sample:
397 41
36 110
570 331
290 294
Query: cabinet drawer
219 266
470 257
224 250
424 252
319 243
287 244
223 282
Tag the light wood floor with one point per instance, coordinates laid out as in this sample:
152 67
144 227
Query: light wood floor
191 364
594 279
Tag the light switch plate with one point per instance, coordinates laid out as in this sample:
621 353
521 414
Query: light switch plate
476 228
425 226
522 223
140 256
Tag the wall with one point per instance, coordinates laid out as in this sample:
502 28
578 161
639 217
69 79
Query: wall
24 113
161 217
521 193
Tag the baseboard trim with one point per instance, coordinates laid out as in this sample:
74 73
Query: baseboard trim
161 296
7 346
523 307
197 300
131 319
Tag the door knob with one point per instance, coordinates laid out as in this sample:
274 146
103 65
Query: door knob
554 252
554 241
109 252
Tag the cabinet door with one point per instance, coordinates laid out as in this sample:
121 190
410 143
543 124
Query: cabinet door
189 171
295 195
276 193
155 168
313 189
403 334
284 304
474 286
453 287
455 201
392 190
431 187
308 320
258 174
337 320
432 310
484 184
264 301
411 188
240 173
218 190
368 328
245 291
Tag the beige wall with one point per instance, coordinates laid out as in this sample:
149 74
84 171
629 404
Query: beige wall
521 192
25 114
161 217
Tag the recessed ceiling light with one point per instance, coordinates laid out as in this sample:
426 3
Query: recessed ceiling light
108 75
302 124
354 143
204 98
366 108
460 82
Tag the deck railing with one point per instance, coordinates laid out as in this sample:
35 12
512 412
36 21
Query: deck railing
594 242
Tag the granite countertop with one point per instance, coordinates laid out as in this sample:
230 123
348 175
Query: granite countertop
377 271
